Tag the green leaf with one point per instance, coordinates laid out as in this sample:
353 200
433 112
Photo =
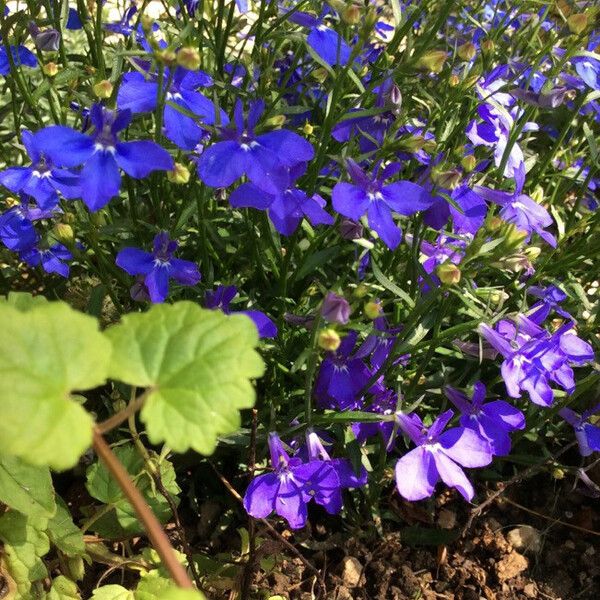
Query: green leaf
112 592
63 533
63 589
198 365
26 488
53 351
23 300
152 587
101 485
24 544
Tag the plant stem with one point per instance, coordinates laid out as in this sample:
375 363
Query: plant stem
124 414
153 528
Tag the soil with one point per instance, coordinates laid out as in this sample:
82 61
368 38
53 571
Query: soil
537 540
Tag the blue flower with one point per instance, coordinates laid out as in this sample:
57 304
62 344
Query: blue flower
286 207
587 435
158 267
369 195
17 231
21 57
291 486
550 298
519 209
101 154
139 93
52 260
264 159
222 297
493 421
41 180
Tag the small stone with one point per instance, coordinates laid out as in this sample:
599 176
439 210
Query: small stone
510 566
529 590
352 571
446 519
569 544
525 538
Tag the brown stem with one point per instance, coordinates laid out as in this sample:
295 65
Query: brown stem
153 528
124 414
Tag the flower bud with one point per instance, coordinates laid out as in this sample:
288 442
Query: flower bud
453 80
412 143
448 273
495 223
361 290
166 56
188 58
307 129
45 40
50 69
103 89
147 24
433 61
467 51
468 163
449 179
75 567
329 340
64 233
139 291
335 309
488 45
372 309
577 23
351 230
320 74
179 175
351 15
277 121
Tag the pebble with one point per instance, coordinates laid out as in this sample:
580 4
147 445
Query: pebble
525 538
352 571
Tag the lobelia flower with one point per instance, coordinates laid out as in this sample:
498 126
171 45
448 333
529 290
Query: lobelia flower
22 57
533 357
102 154
347 476
17 231
493 421
45 40
328 44
369 195
264 159
550 298
385 402
439 455
519 209
445 249
158 267
41 180
586 434
52 260
335 309
467 220
588 69
287 206
139 93
221 298
341 377
291 486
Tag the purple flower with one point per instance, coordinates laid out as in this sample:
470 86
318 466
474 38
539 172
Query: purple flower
102 154
291 486
588 69
533 357
335 309
41 180
438 456
341 377
139 93
158 267
385 402
16 225
287 206
586 434
493 421
369 195
519 209
264 159
550 298
221 298
52 260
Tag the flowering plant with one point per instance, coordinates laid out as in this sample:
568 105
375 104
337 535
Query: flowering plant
343 214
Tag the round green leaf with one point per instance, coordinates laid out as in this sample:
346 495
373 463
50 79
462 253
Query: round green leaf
198 363
53 350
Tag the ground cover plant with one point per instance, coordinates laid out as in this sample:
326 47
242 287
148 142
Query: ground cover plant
271 270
